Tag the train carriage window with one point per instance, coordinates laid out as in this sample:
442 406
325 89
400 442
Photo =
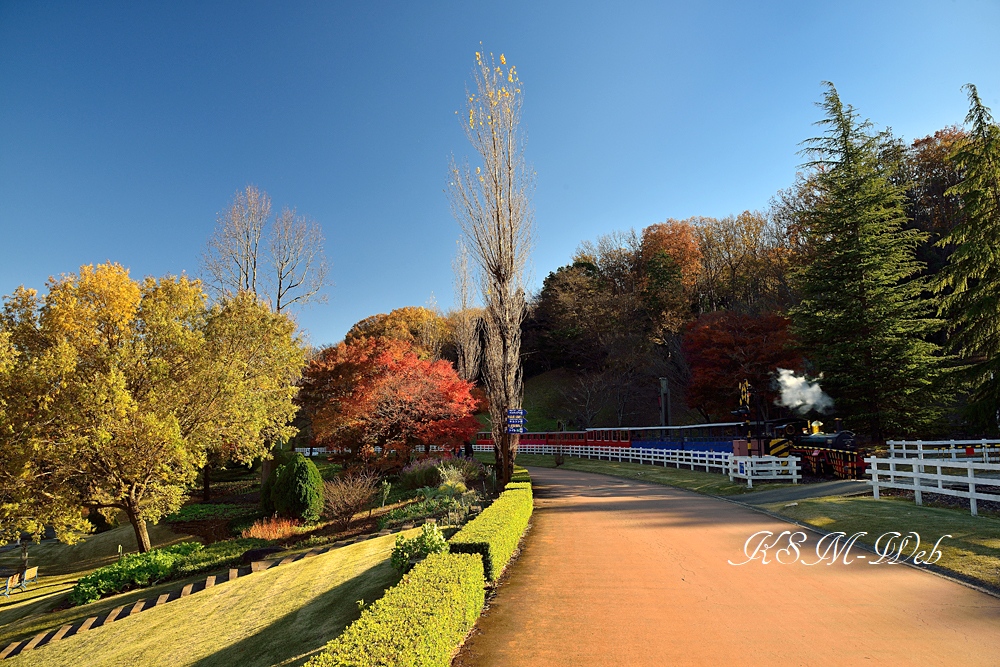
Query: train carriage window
628 436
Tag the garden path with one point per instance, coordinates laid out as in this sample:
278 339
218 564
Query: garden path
623 573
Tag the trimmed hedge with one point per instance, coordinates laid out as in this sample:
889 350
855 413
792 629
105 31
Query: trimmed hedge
520 475
495 533
420 621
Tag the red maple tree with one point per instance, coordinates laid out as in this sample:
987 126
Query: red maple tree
724 348
375 398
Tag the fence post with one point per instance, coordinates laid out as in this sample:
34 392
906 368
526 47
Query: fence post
918 470
972 490
873 471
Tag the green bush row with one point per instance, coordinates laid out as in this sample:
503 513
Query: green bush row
132 571
420 621
520 475
495 533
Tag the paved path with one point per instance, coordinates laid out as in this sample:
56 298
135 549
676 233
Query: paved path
623 573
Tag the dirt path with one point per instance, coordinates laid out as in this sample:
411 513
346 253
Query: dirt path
623 573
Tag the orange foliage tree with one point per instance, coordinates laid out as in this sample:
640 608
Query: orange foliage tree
371 393
724 348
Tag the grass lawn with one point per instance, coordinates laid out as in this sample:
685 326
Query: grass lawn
973 551
60 565
278 617
712 483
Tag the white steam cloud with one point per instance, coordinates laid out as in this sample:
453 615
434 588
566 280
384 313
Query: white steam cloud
801 395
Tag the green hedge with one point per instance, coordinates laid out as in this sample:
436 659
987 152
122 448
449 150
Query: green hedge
520 475
495 533
420 621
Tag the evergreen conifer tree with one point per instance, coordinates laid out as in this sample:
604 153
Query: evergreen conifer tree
863 319
971 281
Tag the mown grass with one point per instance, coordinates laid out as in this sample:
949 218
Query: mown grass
280 616
60 565
695 480
972 551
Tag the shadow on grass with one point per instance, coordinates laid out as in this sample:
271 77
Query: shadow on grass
295 637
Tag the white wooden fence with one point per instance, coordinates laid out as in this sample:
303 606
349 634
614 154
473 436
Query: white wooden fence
764 467
756 467
986 450
949 477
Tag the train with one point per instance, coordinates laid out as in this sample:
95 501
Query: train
821 454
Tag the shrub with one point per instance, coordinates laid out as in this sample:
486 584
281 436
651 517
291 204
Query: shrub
132 571
452 489
495 533
423 472
471 469
272 528
298 490
347 495
218 555
420 621
429 541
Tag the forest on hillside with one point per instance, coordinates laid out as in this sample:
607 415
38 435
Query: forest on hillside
871 274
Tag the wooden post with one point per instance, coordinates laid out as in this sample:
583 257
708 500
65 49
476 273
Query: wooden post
873 471
972 490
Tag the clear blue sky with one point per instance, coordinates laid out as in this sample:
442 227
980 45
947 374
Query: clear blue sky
125 126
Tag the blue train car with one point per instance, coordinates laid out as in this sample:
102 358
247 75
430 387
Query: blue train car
718 437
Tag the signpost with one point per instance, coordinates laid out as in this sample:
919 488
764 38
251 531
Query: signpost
516 420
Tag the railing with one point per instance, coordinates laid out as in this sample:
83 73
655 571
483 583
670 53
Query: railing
987 450
764 467
756 467
964 479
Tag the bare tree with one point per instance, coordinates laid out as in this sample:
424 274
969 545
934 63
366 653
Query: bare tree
279 260
466 318
586 397
492 204
298 265
233 255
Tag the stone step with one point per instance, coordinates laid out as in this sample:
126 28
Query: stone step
137 607
35 641
86 625
113 615
209 581
11 647
60 633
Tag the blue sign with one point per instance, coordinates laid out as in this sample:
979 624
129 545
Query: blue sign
517 413
515 429
516 421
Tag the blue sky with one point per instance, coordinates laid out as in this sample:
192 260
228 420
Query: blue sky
125 127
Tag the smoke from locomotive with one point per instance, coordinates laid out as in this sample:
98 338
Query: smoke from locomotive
801 395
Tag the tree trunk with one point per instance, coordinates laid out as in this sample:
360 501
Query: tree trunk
206 491
139 525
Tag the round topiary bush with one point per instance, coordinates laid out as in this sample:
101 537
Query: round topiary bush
298 490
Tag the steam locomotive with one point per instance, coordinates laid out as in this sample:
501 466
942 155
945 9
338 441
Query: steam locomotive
836 454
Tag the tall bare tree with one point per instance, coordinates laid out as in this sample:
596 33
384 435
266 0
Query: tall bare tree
280 260
232 258
466 318
298 264
492 204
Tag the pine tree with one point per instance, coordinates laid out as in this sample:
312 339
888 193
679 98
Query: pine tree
863 320
971 281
